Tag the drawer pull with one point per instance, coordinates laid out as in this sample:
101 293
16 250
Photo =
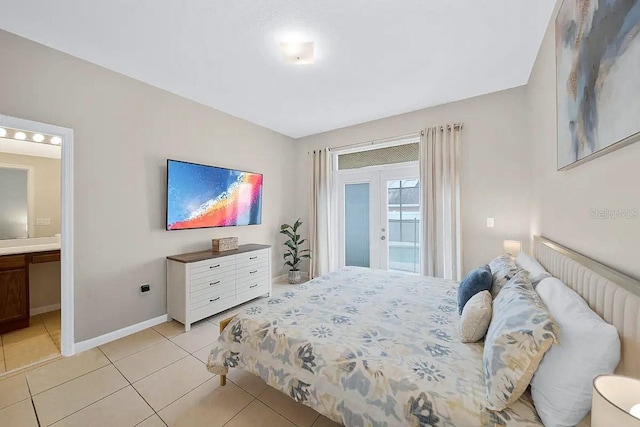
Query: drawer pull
215 299
253 286
254 271
253 257
214 266
214 283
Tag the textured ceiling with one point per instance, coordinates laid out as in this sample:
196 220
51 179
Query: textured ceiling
373 58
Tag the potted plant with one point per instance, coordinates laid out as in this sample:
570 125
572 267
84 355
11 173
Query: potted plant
294 254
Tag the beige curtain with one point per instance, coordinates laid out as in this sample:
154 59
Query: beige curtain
320 234
440 202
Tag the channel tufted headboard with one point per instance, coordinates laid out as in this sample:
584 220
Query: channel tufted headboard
611 294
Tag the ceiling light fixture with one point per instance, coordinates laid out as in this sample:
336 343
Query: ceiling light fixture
3 132
56 140
300 53
38 137
20 135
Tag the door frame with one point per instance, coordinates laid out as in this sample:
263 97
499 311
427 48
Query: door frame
67 340
375 176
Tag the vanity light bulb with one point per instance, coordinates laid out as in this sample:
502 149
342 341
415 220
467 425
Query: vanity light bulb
56 140
38 137
635 410
3 132
20 135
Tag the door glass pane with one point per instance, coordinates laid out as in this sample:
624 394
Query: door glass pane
356 225
14 206
404 225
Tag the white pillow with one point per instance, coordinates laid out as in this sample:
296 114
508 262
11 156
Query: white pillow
588 347
476 316
532 266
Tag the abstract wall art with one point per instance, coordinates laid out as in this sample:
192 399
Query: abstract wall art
598 78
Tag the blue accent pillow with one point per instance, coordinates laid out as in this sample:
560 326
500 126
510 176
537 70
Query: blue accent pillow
478 280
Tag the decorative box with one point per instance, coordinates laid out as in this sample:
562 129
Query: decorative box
224 244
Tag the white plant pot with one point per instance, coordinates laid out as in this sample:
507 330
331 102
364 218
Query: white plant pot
295 277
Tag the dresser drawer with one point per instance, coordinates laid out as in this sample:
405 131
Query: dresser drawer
211 306
213 283
212 276
214 298
252 271
213 264
255 257
257 287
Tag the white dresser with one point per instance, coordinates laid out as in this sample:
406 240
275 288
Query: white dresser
201 284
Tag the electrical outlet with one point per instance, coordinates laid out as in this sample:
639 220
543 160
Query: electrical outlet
144 288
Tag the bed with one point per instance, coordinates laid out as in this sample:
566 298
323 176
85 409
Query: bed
366 347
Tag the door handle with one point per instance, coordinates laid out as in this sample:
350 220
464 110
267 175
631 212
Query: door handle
383 238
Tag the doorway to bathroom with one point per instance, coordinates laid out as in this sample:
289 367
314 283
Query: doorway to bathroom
36 284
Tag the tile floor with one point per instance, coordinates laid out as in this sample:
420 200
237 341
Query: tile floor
39 342
156 377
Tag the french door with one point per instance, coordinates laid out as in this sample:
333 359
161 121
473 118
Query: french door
379 218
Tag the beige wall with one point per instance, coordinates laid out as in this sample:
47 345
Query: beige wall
563 200
47 189
496 179
124 132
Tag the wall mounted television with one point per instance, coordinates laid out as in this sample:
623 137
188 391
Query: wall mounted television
201 196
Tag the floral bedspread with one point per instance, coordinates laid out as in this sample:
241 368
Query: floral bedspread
368 348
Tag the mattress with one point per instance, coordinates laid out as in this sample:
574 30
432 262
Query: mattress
368 348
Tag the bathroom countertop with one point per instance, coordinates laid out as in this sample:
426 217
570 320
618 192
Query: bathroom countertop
24 246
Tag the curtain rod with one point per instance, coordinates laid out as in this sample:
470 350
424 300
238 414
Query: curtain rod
383 140
376 141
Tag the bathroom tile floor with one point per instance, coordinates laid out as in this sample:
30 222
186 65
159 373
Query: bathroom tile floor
37 343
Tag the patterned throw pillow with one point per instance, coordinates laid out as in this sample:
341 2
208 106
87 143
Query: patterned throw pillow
503 268
520 333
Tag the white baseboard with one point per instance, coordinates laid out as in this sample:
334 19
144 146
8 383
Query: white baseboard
79 347
45 309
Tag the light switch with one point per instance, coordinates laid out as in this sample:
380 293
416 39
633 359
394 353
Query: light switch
490 223
43 221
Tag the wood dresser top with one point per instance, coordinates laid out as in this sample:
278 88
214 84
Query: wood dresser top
209 254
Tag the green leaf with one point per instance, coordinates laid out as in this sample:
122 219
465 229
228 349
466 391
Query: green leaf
287 255
305 256
290 264
291 245
302 241
284 226
288 233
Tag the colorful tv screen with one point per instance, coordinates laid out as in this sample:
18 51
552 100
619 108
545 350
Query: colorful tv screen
200 196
